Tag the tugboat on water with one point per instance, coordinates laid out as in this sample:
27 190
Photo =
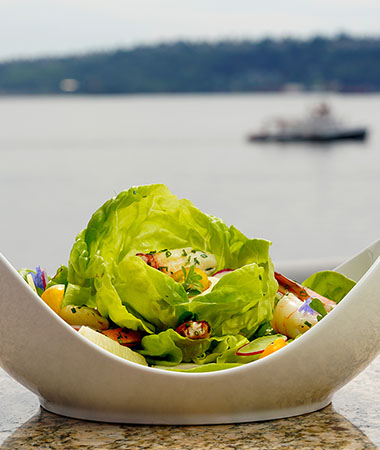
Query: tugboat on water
319 126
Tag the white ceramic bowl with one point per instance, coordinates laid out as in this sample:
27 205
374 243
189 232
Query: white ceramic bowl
73 377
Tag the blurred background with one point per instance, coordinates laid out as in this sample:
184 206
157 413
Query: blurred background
219 100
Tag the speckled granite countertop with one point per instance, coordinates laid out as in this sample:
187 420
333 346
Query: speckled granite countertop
352 421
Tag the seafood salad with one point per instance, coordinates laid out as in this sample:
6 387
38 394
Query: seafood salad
156 281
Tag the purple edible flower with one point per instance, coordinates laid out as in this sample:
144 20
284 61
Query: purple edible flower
39 278
306 308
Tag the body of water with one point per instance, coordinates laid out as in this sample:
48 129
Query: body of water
62 157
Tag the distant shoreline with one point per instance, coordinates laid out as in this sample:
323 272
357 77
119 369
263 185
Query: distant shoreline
341 64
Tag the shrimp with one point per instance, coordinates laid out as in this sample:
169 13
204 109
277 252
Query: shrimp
292 314
303 293
172 261
289 320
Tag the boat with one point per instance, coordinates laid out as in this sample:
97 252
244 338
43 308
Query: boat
319 126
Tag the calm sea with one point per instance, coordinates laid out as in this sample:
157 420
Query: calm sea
62 157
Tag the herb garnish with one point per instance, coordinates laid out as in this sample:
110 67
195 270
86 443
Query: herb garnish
120 337
192 281
318 307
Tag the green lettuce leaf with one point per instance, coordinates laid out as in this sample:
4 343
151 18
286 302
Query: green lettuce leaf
59 278
222 351
168 348
330 284
239 303
103 271
149 293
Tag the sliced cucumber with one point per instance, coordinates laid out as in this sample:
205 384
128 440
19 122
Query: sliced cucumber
258 345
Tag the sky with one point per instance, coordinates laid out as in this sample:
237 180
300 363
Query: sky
60 27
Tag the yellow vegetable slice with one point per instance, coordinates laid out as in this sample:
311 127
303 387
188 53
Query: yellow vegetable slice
112 346
83 315
53 296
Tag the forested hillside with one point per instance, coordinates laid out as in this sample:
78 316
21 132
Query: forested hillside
341 63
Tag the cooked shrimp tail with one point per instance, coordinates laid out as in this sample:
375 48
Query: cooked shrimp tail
287 285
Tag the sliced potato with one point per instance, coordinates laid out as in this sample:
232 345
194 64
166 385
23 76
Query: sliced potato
112 346
83 315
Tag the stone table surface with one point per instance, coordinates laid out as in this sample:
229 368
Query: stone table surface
352 421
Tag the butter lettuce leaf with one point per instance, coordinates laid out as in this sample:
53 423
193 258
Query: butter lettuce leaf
169 348
330 284
239 303
103 271
150 293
